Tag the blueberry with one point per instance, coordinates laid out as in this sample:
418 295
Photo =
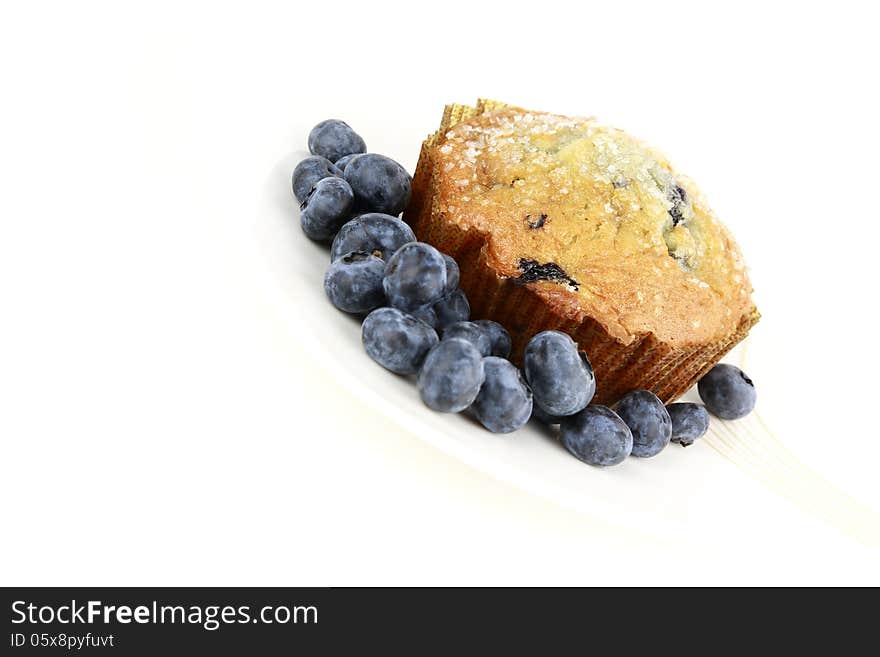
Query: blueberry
427 314
450 309
689 422
543 417
498 336
380 184
727 392
414 276
308 172
451 376
472 333
562 378
342 162
335 139
648 420
326 208
374 232
354 282
505 400
397 341
596 435
452 273
681 208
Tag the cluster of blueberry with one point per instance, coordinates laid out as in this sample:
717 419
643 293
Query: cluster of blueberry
468 367
409 293
563 384
341 180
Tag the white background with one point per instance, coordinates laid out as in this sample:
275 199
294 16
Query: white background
162 423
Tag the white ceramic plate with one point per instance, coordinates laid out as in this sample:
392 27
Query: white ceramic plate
738 476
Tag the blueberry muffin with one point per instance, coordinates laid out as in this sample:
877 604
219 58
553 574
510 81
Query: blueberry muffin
563 223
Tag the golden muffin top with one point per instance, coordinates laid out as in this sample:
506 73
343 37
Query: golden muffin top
595 222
